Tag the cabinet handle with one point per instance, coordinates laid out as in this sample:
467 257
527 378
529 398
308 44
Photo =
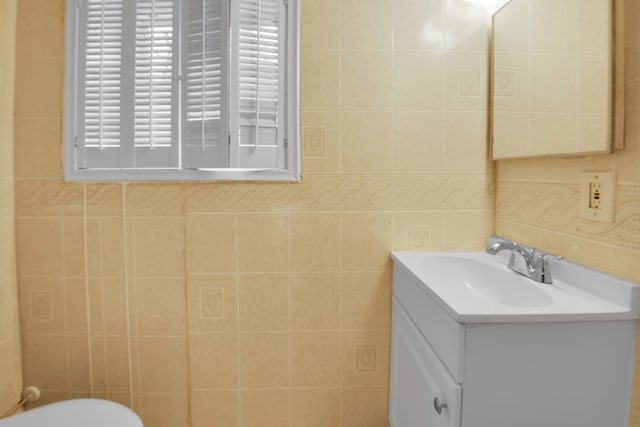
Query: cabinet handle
438 406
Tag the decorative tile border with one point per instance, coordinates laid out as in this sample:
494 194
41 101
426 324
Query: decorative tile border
556 207
46 198
348 192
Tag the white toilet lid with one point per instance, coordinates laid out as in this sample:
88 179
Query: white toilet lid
76 413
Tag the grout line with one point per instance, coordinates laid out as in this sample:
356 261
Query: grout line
125 255
104 316
185 281
64 304
340 355
85 233
289 306
237 282
340 397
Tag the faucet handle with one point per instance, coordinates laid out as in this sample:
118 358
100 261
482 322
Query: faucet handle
543 272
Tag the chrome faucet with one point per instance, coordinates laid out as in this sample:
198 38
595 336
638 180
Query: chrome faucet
529 262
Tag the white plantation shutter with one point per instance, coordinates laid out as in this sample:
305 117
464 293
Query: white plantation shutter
205 93
181 89
100 86
156 84
259 60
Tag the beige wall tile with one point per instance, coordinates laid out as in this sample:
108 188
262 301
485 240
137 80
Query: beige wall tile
264 408
215 408
320 24
42 304
365 358
466 142
118 371
366 300
154 200
625 264
467 25
211 243
321 142
418 231
467 230
632 40
263 302
45 361
76 306
105 246
38 152
9 311
418 142
367 24
104 199
367 142
40 31
48 198
315 407
264 359
114 294
418 80
163 364
366 240
161 306
315 359
315 242
39 85
213 360
365 407
8 24
99 365
263 242
367 80
74 247
315 301
40 246
467 80
11 383
165 409
212 303
79 374
418 24
320 80
513 32
7 251
158 246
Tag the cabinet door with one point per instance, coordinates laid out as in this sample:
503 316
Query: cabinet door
419 382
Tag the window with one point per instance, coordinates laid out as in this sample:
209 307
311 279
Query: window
182 89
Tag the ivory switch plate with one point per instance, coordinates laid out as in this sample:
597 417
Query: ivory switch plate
598 196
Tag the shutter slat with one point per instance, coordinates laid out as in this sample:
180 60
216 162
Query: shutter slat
154 72
102 91
205 99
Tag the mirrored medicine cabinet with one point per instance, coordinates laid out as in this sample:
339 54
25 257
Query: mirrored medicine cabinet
557 78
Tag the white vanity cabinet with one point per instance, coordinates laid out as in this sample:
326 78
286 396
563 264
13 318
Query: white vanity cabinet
496 371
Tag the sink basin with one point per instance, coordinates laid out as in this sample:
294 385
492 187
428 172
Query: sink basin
478 287
489 282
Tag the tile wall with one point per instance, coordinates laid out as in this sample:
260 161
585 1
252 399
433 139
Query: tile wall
538 199
10 365
255 304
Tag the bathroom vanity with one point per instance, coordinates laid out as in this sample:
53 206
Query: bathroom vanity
477 345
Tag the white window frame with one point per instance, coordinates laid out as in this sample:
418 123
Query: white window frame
292 117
